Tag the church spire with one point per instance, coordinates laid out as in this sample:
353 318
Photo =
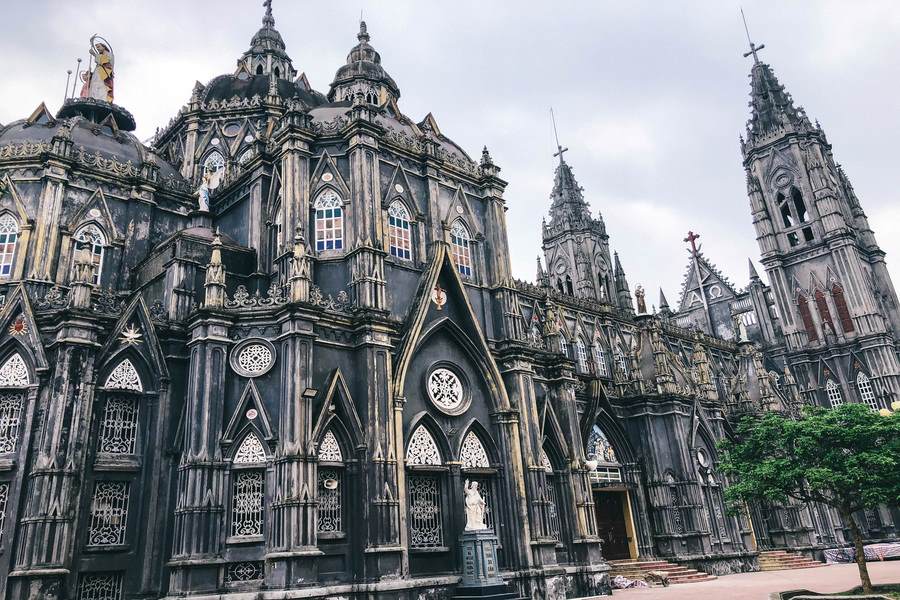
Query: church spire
568 207
267 55
363 74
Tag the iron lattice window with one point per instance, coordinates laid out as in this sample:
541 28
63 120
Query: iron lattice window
622 363
551 500
118 431
677 517
581 349
460 249
833 391
426 528
9 236
248 570
4 498
600 359
399 228
866 393
10 413
331 500
100 586
109 513
329 221
247 503
90 239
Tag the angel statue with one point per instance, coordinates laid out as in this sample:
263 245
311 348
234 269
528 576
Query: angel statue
475 506
98 84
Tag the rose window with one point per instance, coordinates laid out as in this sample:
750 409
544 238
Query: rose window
255 359
445 389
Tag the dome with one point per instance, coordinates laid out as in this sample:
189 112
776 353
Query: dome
227 87
363 63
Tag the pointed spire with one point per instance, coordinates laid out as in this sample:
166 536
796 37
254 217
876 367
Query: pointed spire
214 285
622 290
363 73
663 302
754 276
772 108
363 35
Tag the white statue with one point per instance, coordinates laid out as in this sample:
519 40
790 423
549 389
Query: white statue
98 84
475 506
203 193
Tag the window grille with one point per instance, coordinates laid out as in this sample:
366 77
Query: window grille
422 448
118 430
91 239
109 513
247 503
472 453
100 586
622 363
14 373
4 499
214 162
248 570
329 449
552 507
425 514
461 251
329 221
124 377
10 413
399 228
9 236
331 496
675 507
255 359
833 391
445 389
872 520
866 393
582 355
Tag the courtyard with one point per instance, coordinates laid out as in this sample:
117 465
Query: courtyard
759 586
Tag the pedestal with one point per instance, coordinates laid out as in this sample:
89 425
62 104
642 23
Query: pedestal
480 577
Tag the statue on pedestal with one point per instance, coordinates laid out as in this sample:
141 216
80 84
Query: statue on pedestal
98 84
475 506
203 193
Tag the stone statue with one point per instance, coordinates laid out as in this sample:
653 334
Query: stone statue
475 506
641 302
98 84
203 193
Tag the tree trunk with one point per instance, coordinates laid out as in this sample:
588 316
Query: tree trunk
860 554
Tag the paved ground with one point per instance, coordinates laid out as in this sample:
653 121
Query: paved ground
758 586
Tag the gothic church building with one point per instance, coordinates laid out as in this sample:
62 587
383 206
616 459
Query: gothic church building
280 383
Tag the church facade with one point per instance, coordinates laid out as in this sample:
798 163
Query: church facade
267 352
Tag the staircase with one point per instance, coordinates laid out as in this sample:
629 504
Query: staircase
778 560
637 569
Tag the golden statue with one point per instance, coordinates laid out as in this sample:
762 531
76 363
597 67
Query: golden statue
98 84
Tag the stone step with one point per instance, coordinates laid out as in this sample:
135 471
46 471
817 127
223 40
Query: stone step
638 569
780 560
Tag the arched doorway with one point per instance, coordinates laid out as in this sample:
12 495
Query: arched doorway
611 498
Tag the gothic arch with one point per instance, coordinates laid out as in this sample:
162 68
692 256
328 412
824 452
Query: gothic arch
475 427
337 394
326 163
423 419
28 341
239 422
148 352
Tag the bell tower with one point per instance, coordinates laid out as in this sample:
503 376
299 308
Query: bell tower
834 296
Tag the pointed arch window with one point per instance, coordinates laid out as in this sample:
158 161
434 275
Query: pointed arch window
601 451
118 430
331 485
866 393
124 377
806 316
422 449
840 302
329 221
824 311
833 391
550 500
460 248
91 240
793 212
582 351
425 489
400 230
621 363
472 453
248 488
13 374
9 237
214 163
600 360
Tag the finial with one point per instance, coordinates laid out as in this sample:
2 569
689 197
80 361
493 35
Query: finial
268 19
559 149
753 47
363 35
692 239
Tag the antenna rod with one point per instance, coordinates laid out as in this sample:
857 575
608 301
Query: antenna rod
555 134
77 76
66 90
746 29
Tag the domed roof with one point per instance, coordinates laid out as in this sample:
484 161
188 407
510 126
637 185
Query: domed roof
363 62
226 87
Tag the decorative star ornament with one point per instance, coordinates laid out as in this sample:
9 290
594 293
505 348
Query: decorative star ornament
18 327
131 335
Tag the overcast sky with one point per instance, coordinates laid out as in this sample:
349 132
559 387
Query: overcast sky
650 97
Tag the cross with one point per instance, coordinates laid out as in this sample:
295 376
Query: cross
691 239
753 47
559 149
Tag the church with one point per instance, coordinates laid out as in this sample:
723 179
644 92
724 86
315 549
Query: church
267 351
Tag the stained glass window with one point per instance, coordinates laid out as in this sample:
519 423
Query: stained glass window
460 248
109 513
399 229
90 239
329 221
9 236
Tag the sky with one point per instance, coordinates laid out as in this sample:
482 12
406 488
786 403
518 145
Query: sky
650 97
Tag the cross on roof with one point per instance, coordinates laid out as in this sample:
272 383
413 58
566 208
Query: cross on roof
691 239
753 47
559 149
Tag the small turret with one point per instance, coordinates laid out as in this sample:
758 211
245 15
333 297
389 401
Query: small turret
623 293
664 310
214 285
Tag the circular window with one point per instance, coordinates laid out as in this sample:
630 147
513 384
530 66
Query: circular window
702 458
446 390
253 358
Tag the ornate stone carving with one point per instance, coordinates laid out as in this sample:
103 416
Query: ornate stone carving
445 390
329 449
253 357
472 453
422 450
124 377
250 451
14 373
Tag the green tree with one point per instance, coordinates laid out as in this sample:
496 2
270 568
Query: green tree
847 457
